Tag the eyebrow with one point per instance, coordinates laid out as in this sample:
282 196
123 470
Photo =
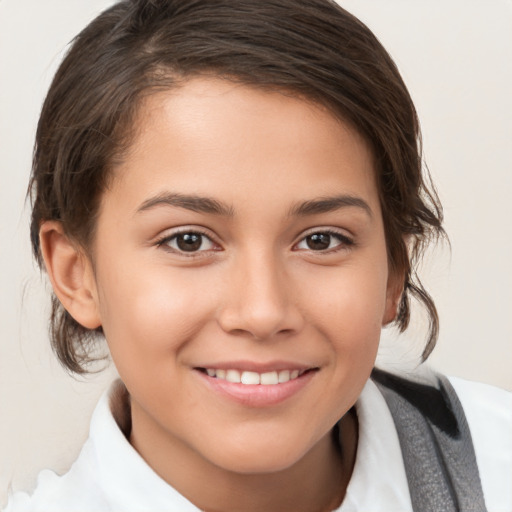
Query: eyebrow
209 205
330 204
189 202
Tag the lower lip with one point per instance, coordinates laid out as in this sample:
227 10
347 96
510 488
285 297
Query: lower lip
258 395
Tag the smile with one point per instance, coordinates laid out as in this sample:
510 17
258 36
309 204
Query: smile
256 389
254 378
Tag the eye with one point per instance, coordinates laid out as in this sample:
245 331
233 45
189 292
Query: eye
187 242
324 241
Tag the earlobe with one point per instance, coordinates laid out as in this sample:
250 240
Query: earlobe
393 296
70 274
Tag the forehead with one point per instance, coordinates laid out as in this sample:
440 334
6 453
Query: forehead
213 135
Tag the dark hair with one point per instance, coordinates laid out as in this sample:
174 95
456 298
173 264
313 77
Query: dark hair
310 48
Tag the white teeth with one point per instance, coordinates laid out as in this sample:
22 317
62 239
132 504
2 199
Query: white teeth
250 378
269 378
233 376
254 378
284 376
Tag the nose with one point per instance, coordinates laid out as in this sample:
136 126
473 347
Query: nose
260 302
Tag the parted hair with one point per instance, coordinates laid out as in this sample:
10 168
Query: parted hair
312 49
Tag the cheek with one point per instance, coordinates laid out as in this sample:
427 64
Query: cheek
347 300
145 314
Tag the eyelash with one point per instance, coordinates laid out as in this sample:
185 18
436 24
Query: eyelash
345 242
164 242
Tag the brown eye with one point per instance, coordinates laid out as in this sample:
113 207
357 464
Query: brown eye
318 241
324 241
188 242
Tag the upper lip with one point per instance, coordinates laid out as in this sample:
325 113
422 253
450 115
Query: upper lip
258 367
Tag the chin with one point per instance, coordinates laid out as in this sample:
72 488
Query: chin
266 456
259 465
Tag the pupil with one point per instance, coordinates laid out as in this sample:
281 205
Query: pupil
189 242
319 241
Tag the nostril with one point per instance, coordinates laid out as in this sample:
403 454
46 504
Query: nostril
260 317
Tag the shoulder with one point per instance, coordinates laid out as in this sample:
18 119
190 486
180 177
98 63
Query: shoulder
79 489
448 403
485 406
76 490
109 474
483 403
488 411
87 485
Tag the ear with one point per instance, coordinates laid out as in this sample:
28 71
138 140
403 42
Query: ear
394 292
71 274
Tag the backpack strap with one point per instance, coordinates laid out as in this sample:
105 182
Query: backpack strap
436 444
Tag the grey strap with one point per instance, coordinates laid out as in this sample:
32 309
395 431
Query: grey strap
436 444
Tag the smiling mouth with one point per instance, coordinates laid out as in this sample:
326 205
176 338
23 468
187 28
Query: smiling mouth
250 378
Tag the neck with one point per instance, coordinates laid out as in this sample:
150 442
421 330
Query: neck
316 482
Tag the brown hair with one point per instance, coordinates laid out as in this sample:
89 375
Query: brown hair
310 48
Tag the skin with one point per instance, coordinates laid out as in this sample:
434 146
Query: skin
255 291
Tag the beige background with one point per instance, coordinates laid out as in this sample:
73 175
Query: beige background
456 57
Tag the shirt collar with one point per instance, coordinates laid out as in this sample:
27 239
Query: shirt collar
127 480
378 481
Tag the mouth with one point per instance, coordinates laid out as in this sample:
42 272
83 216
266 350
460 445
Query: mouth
256 389
250 378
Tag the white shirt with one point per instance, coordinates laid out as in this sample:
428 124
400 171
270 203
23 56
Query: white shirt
109 475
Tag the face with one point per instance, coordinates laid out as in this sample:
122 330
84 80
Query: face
241 275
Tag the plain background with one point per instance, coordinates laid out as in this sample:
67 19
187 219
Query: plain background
455 56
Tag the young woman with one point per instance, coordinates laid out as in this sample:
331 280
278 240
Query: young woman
231 194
